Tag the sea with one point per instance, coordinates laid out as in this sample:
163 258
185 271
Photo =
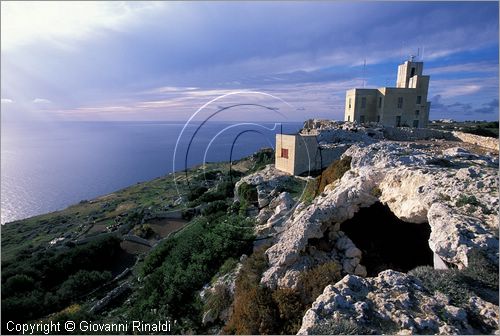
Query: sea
49 166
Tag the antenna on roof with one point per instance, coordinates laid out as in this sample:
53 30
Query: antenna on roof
418 53
364 73
423 53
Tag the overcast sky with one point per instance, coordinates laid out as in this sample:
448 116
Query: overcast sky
162 61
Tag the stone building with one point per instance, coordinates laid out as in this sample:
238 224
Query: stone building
403 105
299 154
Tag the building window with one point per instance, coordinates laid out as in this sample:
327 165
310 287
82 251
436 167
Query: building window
417 112
363 102
415 123
349 103
348 118
284 153
400 102
412 72
398 121
362 119
379 102
419 99
378 118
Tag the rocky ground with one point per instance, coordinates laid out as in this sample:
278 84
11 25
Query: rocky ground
451 185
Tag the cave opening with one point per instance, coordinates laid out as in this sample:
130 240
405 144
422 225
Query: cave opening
387 242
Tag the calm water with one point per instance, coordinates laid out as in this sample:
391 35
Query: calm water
46 167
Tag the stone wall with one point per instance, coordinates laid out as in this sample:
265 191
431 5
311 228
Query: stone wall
486 142
412 134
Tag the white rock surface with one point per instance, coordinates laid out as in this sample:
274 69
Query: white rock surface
392 302
419 184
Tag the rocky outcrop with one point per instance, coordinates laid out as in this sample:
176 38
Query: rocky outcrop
455 191
266 181
393 302
224 285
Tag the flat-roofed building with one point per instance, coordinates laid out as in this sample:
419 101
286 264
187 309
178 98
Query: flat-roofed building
403 105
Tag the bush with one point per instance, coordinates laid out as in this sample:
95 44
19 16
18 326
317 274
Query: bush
291 309
218 300
254 304
464 200
310 191
228 265
195 193
337 326
179 267
144 231
214 207
479 278
313 282
81 283
48 280
334 172
254 310
247 193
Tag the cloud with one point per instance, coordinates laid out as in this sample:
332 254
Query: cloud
41 101
140 56
7 101
489 108
59 22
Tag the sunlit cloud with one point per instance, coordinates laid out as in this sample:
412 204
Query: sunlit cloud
24 22
7 101
41 101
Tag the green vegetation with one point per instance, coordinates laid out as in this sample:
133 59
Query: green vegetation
483 128
181 265
479 278
259 310
310 190
464 200
45 282
333 172
144 231
247 192
337 326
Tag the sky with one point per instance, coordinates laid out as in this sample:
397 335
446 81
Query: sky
115 61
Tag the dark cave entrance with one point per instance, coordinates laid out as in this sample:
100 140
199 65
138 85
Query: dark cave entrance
388 242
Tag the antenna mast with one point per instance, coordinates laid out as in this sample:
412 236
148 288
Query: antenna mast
364 73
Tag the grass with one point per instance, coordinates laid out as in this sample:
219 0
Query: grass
310 190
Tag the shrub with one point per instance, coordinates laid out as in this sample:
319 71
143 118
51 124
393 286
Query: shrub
337 326
179 267
208 175
254 304
312 282
214 207
310 191
48 280
228 266
195 193
218 300
254 310
334 172
144 231
291 309
479 278
376 192
464 199
247 192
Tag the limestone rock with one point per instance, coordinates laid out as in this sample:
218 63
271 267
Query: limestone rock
389 303
461 212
